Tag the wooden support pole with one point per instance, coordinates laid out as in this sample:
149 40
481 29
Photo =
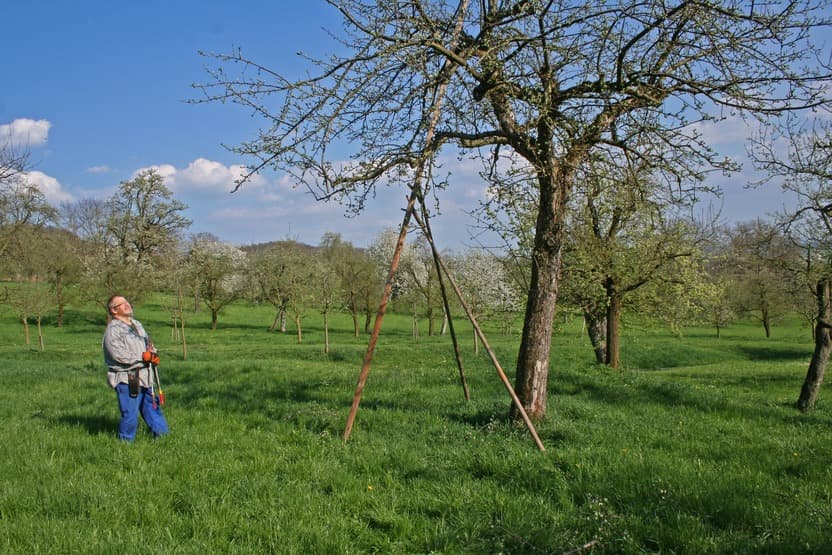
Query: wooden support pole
481 335
382 310
429 235
415 193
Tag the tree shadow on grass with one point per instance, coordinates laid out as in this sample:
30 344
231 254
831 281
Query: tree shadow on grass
671 394
780 353
94 425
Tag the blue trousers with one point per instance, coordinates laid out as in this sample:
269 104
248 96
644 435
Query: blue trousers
131 407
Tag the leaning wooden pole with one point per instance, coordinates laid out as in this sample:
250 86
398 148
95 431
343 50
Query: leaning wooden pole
382 310
415 191
436 262
481 335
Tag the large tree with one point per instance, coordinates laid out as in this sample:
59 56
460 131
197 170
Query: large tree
628 231
763 261
805 171
23 207
217 270
145 219
355 271
546 82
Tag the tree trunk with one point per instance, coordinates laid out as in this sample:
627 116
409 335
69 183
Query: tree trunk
40 334
214 319
823 347
431 322
531 380
60 301
355 329
275 322
26 330
596 327
766 321
297 326
184 342
613 322
326 332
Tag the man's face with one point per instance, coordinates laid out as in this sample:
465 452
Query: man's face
120 307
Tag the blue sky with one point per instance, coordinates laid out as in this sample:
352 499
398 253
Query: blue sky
99 90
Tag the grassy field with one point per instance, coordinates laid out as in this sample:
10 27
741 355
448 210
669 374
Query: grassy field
694 447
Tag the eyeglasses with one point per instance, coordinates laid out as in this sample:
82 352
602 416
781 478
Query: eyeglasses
115 306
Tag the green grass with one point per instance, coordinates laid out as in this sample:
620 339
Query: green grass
694 447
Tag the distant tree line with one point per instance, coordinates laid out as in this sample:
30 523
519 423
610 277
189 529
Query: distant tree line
135 243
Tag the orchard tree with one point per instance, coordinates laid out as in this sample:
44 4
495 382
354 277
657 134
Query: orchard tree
426 295
762 260
487 289
546 82
61 267
279 274
628 231
23 206
145 219
805 171
101 274
325 283
380 252
217 268
355 271
265 272
30 297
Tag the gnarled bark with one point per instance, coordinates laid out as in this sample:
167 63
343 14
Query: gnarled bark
823 347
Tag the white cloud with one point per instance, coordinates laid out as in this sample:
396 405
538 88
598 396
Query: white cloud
99 169
25 132
204 175
49 186
730 133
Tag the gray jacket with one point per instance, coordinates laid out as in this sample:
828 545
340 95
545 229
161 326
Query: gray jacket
123 346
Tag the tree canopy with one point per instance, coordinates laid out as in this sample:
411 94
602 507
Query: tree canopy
548 83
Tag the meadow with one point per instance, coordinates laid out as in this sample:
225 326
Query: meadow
694 446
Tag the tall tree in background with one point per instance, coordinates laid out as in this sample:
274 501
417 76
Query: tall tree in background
628 230
762 262
355 273
102 274
23 206
218 272
548 82
144 227
145 219
805 171
129 239
325 286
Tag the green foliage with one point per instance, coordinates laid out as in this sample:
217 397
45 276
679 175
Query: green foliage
694 448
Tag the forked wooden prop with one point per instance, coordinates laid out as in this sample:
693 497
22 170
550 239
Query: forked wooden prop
423 223
444 77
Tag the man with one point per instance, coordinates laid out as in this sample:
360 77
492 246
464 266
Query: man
129 354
